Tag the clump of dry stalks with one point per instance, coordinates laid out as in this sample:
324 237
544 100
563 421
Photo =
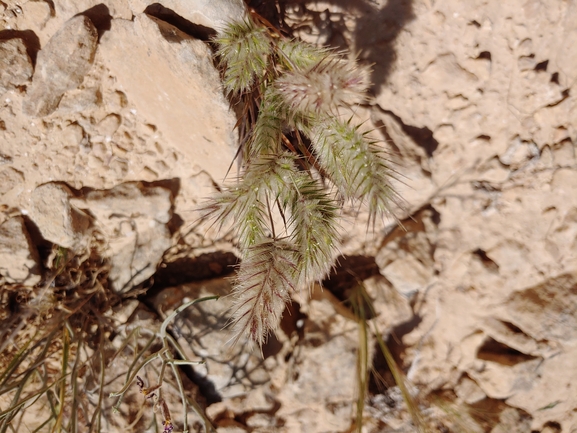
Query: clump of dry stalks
62 345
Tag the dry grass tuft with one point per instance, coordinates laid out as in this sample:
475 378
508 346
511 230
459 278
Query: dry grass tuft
63 347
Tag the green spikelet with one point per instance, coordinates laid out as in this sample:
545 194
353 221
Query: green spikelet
355 164
244 49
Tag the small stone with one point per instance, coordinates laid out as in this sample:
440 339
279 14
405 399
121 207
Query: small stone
9 179
54 216
19 262
15 65
61 65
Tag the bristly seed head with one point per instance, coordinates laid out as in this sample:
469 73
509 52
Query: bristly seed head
334 82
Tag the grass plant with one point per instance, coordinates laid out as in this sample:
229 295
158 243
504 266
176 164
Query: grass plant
303 160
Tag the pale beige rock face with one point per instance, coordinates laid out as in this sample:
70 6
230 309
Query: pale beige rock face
15 66
57 220
137 236
476 102
61 66
494 84
158 67
208 13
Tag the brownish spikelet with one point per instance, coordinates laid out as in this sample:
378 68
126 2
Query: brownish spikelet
334 82
262 288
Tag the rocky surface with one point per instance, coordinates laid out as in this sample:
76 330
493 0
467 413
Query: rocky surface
57 220
16 65
123 128
61 66
137 236
18 255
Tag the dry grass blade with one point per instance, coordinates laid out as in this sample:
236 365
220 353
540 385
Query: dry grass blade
412 406
45 356
165 357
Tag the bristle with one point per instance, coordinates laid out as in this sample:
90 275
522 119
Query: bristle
355 165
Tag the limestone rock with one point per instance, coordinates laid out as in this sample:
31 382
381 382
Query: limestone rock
9 179
134 219
61 65
15 65
58 221
320 397
171 79
19 262
207 13
282 384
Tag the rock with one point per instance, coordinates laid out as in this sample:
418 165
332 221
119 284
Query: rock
19 261
473 80
36 13
15 64
99 11
134 219
546 311
468 391
61 65
392 308
513 420
550 395
58 221
9 179
174 85
207 13
251 387
407 275
321 398
80 100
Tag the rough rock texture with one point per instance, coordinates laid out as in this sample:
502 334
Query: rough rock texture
19 261
134 220
207 13
61 65
57 220
15 65
492 107
477 294
158 66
